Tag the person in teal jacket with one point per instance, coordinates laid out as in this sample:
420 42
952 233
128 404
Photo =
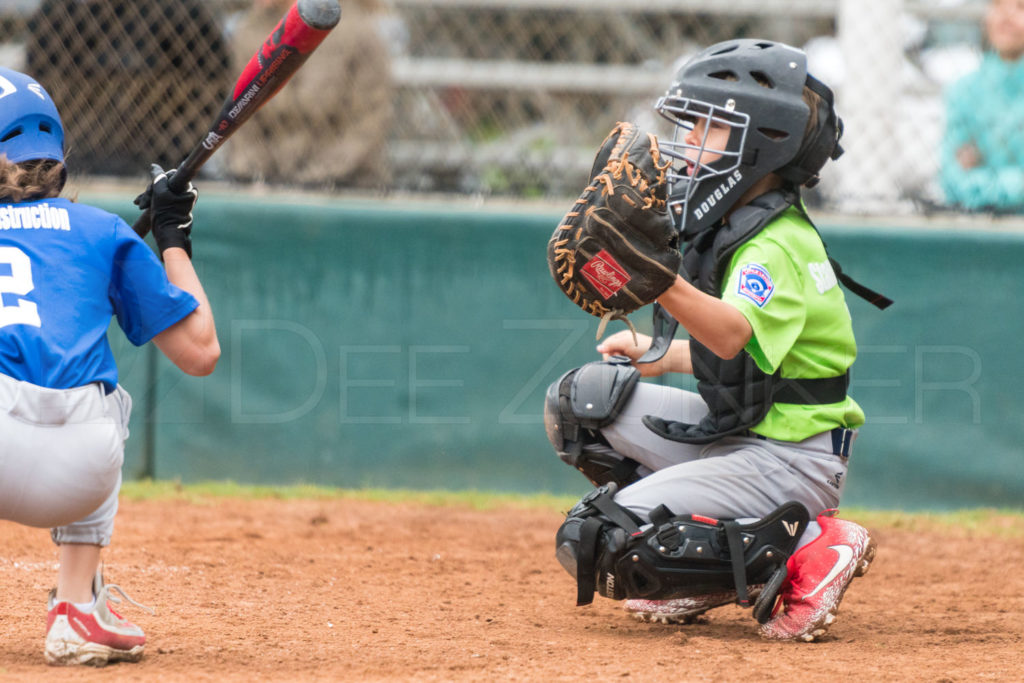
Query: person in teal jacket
983 148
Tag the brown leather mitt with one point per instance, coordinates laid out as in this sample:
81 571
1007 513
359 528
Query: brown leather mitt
616 250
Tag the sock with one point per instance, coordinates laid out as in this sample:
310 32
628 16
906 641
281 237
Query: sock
85 606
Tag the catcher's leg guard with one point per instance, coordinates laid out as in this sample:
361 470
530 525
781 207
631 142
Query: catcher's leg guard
578 405
608 549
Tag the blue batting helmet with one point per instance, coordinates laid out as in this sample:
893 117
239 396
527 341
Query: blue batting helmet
30 126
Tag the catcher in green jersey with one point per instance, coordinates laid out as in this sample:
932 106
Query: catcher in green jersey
728 493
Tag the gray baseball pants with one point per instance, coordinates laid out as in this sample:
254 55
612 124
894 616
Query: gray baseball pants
61 452
736 477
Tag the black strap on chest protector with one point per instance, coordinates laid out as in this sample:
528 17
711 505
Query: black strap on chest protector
811 391
879 301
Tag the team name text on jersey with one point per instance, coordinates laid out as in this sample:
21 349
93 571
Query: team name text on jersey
34 217
824 276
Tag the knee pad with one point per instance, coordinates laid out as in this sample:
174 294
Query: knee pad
595 531
575 408
610 551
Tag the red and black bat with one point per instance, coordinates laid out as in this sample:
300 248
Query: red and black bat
287 47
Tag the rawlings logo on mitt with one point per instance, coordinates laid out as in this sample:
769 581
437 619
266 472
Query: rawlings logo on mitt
616 250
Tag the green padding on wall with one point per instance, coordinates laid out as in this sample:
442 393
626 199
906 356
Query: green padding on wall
411 347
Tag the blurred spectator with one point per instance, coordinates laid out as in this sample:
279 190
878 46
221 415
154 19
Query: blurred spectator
140 79
329 126
983 150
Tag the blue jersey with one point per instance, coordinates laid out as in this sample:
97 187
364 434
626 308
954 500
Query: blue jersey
65 270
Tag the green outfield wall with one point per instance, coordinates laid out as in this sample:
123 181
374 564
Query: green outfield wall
411 347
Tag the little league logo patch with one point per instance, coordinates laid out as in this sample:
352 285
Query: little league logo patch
605 274
756 284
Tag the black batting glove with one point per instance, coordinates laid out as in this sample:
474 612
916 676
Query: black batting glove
171 212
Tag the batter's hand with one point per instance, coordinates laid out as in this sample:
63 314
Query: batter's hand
621 344
172 211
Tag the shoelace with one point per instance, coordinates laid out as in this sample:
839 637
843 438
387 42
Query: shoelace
104 594
616 314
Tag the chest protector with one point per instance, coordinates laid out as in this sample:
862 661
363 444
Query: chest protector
737 392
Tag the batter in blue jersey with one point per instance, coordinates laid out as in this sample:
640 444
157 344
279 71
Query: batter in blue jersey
67 269
52 333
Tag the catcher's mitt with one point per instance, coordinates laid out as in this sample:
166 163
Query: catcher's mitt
616 250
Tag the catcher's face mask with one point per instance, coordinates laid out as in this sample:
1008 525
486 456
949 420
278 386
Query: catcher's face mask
755 88
707 148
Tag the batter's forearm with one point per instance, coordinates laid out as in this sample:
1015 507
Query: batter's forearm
191 343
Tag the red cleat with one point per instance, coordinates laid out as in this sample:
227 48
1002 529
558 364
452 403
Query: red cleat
819 574
93 637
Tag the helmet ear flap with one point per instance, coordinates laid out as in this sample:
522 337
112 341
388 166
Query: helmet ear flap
822 142
838 151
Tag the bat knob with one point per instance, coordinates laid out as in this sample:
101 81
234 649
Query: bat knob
322 15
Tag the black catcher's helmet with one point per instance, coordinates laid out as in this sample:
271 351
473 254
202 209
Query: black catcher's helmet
755 88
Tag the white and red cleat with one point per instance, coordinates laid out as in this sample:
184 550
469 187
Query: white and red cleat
93 637
819 574
682 610
677 610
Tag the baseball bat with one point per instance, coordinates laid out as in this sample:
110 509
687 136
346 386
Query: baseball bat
287 47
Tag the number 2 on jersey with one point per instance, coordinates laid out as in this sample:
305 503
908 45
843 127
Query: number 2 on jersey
19 283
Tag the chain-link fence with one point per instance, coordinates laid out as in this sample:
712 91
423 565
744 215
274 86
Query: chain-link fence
492 97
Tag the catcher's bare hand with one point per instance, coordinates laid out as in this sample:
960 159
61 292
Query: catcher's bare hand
621 344
677 359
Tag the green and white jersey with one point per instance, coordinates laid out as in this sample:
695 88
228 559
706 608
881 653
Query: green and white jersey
782 282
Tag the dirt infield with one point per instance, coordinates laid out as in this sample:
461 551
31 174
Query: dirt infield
352 591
